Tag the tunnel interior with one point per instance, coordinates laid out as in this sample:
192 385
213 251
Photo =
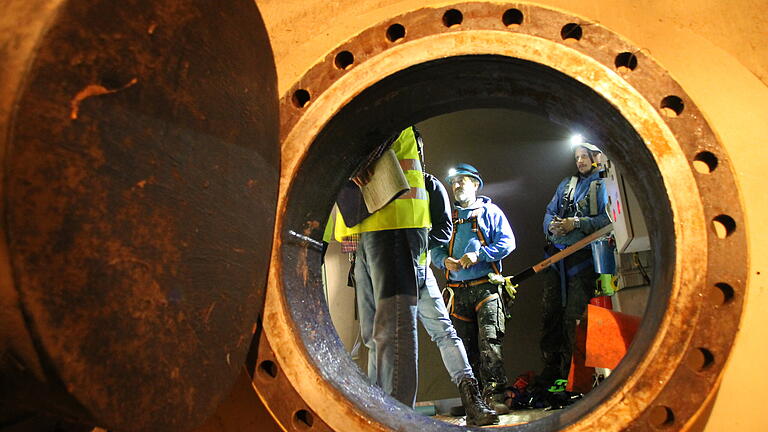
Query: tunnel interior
521 157
417 94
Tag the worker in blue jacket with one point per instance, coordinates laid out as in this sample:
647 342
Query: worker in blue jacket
576 210
481 238
434 315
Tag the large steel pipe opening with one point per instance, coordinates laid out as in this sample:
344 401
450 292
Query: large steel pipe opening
645 123
442 86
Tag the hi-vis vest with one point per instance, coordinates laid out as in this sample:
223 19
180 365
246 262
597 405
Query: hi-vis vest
410 210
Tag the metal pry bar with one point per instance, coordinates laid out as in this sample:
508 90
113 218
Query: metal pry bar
530 271
312 242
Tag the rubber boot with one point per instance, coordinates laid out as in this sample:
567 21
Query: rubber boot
478 413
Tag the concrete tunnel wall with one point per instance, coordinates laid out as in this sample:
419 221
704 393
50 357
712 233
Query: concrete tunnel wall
716 54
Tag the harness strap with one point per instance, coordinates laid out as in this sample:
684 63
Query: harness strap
472 218
469 283
477 307
481 237
568 193
493 296
593 198
463 318
448 301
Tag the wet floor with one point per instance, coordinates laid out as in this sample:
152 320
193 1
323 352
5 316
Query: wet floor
513 418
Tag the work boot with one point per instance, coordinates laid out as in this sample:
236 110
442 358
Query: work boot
495 401
478 413
493 396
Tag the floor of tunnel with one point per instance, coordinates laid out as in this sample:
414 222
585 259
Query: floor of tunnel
512 418
439 411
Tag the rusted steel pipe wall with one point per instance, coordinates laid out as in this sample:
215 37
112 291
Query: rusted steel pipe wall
139 173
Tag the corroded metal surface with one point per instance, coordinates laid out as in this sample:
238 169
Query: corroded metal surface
140 176
240 411
284 402
664 386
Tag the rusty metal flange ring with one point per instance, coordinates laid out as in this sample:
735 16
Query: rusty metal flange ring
574 71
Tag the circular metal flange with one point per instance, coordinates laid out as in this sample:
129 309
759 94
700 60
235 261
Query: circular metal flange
670 154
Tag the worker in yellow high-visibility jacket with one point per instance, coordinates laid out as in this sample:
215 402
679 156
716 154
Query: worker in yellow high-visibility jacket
390 268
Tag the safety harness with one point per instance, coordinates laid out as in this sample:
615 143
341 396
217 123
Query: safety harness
568 198
471 218
567 202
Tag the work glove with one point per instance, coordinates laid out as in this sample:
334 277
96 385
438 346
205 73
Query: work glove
561 227
508 292
568 224
469 259
452 264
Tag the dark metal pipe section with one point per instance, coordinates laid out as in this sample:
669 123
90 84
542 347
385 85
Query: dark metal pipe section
140 164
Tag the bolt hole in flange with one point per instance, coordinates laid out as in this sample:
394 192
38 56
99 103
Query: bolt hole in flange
395 32
344 60
571 33
300 98
452 18
626 62
700 359
721 294
661 417
723 225
378 110
672 106
303 420
512 18
268 369
705 162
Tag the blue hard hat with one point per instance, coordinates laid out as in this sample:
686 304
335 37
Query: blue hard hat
466 170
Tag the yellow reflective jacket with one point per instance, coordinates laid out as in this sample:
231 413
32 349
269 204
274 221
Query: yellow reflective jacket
410 210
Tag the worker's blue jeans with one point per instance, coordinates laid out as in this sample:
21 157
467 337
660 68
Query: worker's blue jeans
389 270
434 316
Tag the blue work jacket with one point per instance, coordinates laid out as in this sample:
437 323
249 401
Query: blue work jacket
589 223
498 235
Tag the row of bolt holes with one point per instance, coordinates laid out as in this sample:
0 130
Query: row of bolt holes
698 360
672 106
302 419
660 416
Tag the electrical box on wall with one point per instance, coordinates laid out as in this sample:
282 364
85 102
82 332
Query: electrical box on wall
629 226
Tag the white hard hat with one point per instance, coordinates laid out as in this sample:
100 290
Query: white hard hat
588 146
